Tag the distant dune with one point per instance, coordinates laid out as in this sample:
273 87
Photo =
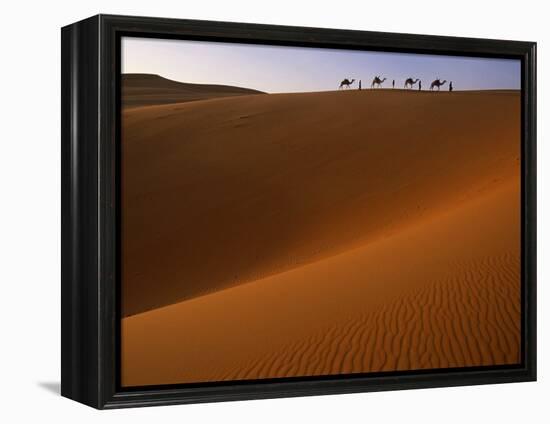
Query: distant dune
318 233
148 89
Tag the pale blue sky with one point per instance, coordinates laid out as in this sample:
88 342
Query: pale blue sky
275 69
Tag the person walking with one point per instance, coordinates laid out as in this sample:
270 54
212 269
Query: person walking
419 85
359 84
451 86
393 84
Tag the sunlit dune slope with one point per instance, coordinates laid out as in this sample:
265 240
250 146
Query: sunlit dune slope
442 292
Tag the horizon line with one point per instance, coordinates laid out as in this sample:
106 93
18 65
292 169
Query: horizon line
321 91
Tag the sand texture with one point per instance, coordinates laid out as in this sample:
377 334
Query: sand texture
320 233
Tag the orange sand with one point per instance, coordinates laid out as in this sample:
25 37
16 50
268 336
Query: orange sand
320 233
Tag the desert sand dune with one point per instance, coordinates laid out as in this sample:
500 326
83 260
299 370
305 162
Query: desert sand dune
442 291
147 89
239 189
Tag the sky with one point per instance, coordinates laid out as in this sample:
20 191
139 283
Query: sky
276 69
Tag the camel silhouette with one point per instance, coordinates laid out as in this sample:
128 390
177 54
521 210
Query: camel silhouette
409 82
377 82
346 82
437 83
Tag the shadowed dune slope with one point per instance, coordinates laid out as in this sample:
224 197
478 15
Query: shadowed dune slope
442 292
147 89
221 192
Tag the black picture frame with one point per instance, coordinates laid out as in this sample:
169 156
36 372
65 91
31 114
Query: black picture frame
91 219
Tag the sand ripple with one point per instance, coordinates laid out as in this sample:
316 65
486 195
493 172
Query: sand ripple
469 319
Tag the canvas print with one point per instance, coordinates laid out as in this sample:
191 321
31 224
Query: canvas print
309 212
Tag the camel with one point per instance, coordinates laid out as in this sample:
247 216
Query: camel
437 83
377 82
409 83
346 82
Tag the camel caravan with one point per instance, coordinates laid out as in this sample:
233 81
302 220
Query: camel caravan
409 83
